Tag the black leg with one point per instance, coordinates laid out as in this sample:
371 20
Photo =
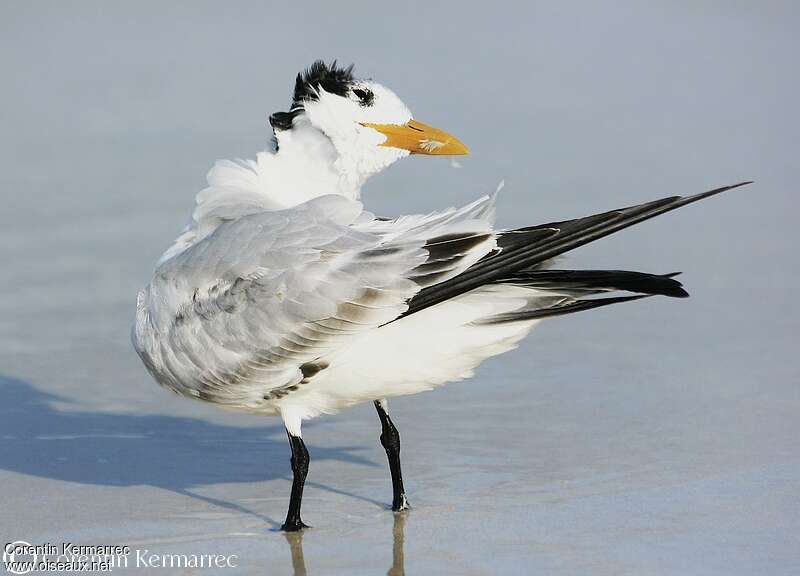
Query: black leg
390 439
299 461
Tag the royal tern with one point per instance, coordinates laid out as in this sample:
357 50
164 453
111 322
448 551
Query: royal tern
285 297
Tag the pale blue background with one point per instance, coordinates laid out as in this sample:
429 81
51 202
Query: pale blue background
659 437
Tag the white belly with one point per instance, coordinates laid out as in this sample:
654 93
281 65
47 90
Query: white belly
417 353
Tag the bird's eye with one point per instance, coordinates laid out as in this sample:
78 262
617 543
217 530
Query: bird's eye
365 97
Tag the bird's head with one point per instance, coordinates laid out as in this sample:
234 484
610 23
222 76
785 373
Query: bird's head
368 126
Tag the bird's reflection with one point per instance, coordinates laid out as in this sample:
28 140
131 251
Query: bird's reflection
398 536
295 540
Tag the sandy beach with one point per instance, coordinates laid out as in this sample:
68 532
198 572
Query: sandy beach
655 437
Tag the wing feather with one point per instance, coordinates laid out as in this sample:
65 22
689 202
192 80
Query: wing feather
250 311
527 248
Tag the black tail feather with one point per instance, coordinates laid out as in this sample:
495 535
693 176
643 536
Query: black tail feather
566 306
581 282
525 248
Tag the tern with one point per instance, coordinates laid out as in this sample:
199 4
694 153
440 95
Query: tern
285 297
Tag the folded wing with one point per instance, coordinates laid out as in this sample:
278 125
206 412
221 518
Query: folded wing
249 313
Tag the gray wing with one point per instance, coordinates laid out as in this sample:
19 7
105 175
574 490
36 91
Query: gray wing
253 309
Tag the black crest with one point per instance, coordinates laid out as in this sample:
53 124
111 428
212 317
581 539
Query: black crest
330 78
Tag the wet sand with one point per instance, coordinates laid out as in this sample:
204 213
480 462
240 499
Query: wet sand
656 437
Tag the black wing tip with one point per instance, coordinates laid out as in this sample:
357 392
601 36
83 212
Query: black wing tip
527 248
595 281
732 186
561 309
737 185
679 292
671 287
719 190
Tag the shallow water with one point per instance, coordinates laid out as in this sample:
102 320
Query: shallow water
658 437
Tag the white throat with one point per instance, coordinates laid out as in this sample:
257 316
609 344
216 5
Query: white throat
308 165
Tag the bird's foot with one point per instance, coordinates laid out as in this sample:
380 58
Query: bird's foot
401 504
294 525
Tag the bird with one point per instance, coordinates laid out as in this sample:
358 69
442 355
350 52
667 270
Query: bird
285 297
